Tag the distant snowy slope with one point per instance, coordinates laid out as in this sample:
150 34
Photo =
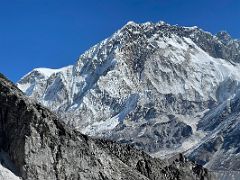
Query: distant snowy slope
147 85
220 149
7 168
36 84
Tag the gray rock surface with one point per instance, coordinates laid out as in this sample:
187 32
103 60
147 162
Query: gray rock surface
220 149
42 147
227 175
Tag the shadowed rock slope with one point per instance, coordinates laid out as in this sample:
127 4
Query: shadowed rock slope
41 147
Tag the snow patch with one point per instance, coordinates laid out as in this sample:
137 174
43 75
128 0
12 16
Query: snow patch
100 127
7 168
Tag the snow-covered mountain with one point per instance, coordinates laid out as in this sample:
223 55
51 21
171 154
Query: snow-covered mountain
150 85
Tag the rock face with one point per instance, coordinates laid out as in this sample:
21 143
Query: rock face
227 175
220 149
148 85
41 147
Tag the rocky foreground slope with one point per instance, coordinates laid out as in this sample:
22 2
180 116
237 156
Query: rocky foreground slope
150 85
35 144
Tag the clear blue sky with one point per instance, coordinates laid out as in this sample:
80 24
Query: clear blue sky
53 33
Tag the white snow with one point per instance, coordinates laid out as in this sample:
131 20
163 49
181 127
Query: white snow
47 72
5 173
131 23
24 87
191 27
101 127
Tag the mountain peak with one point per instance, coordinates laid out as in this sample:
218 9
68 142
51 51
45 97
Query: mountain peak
141 82
224 37
131 23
